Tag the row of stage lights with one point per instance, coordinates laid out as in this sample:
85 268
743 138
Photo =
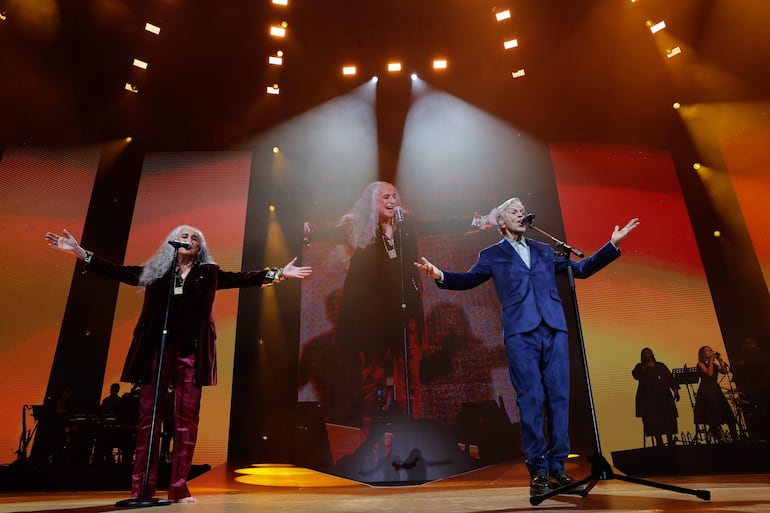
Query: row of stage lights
502 15
139 63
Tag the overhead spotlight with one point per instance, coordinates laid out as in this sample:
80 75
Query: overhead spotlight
375 79
277 31
717 234
3 16
503 15
414 76
696 166
657 27
276 149
439 64
149 27
518 73
273 89
281 2
140 64
511 43
271 208
394 66
673 52
129 139
131 87
349 70
276 60
676 105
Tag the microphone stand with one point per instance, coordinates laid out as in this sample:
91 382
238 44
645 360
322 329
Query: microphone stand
601 470
144 502
404 328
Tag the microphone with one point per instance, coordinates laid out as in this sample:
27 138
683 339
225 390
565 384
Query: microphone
180 244
399 214
529 219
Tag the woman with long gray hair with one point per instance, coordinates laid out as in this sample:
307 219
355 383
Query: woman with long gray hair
189 359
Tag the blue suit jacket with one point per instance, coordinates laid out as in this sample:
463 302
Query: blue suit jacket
527 295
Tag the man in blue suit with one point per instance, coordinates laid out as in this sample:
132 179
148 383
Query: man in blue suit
535 332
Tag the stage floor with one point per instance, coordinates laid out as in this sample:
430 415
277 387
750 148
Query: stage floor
496 489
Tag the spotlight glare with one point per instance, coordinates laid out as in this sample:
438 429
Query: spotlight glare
129 139
717 233
271 208
3 16
503 15
375 79
276 60
439 64
273 89
279 53
140 64
349 70
518 73
131 87
657 27
414 76
676 105
696 166
394 66
281 2
149 27
511 43
277 31
673 52
276 149
284 24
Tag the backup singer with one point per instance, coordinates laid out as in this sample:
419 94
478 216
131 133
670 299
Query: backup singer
189 361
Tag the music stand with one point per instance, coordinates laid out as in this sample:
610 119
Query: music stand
144 502
601 470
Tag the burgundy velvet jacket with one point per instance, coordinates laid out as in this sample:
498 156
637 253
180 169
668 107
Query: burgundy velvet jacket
191 322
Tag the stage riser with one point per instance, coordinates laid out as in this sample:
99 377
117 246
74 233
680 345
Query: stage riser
694 460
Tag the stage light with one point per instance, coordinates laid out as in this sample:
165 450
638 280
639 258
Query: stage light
129 139
271 208
275 60
511 43
673 52
3 16
149 27
375 79
717 233
414 76
273 89
518 73
349 70
140 64
276 149
676 105
131 87
281 2
277 31
439 64
696 166
503 15
394 66
657 27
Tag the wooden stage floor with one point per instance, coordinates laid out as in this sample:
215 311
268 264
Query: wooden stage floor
500 488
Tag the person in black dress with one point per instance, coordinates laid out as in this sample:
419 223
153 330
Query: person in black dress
711 407
655 398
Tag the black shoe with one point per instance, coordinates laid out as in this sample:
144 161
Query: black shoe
560 479
539 483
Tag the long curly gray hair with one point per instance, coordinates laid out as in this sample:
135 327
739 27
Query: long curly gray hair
159 263
362 220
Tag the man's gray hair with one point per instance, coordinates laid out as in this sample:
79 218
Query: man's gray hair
499 211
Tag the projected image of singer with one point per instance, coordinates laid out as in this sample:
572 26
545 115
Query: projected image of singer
535 331
189 361
373 327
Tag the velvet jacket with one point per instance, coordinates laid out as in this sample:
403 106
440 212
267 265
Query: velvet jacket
191 321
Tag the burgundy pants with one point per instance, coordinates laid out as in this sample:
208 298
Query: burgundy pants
179 372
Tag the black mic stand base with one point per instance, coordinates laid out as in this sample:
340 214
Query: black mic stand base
142 503
601 470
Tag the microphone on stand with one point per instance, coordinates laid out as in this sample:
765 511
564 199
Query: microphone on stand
529 219
399 214
180 244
